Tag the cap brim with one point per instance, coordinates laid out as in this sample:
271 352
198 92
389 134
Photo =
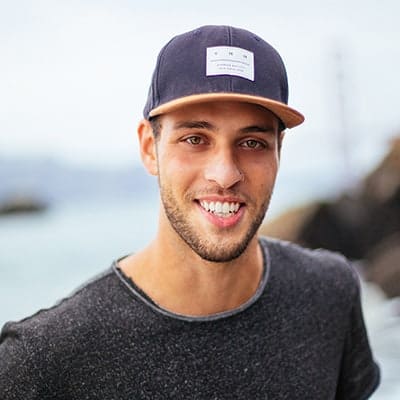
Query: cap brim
289 116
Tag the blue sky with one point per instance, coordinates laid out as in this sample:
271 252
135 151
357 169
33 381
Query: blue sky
74 74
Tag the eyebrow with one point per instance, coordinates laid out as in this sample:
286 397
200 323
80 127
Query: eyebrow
207 125
194 125
258 128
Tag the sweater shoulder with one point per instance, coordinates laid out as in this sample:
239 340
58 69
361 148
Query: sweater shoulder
313 267
68 315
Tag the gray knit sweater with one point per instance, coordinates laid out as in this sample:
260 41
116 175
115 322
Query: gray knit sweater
302 336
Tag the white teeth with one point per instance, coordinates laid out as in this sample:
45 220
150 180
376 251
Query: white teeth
233 207
224 209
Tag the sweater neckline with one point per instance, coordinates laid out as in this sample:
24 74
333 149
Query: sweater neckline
138 293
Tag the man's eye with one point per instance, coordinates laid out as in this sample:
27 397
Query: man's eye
194 140
253 144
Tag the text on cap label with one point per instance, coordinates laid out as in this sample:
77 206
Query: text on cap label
228 60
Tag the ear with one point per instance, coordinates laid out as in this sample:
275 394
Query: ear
147 145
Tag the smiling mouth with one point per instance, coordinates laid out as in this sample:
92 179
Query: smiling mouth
221 209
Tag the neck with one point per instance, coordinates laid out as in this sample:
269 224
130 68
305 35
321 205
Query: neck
180 281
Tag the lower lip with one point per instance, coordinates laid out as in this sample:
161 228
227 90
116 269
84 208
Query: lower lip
222 222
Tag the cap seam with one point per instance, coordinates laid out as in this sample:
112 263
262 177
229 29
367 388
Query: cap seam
156 96
284 76
230 41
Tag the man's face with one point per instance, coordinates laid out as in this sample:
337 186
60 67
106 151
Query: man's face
217 163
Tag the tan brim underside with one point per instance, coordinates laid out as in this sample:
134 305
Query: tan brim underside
289 116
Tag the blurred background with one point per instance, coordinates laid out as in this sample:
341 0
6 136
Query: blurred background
74 77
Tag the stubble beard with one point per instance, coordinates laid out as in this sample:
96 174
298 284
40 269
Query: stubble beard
204 248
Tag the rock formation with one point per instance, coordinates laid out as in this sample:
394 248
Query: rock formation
21 204
363 224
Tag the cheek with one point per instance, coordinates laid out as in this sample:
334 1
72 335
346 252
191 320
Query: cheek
179 169
173 165
261 170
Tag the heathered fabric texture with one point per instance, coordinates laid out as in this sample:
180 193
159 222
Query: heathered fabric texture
304 338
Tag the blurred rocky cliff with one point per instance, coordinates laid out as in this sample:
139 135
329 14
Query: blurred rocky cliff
363 223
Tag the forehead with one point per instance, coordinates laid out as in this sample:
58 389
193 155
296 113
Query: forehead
221 114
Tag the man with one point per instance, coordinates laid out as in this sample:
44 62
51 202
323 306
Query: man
207 310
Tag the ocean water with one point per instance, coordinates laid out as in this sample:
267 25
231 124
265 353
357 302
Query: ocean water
43 257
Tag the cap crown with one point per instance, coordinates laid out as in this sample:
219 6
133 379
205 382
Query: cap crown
181 69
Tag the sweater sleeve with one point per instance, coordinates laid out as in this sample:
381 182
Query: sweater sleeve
19 377
360 374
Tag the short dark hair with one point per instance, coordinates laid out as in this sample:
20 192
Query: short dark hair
155 126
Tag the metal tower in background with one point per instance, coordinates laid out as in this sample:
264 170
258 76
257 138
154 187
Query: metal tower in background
344 131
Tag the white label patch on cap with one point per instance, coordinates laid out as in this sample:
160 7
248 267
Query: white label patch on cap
228 60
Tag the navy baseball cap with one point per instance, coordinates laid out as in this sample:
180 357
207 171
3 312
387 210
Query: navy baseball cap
220 63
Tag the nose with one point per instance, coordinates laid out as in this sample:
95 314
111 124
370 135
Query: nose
223 169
